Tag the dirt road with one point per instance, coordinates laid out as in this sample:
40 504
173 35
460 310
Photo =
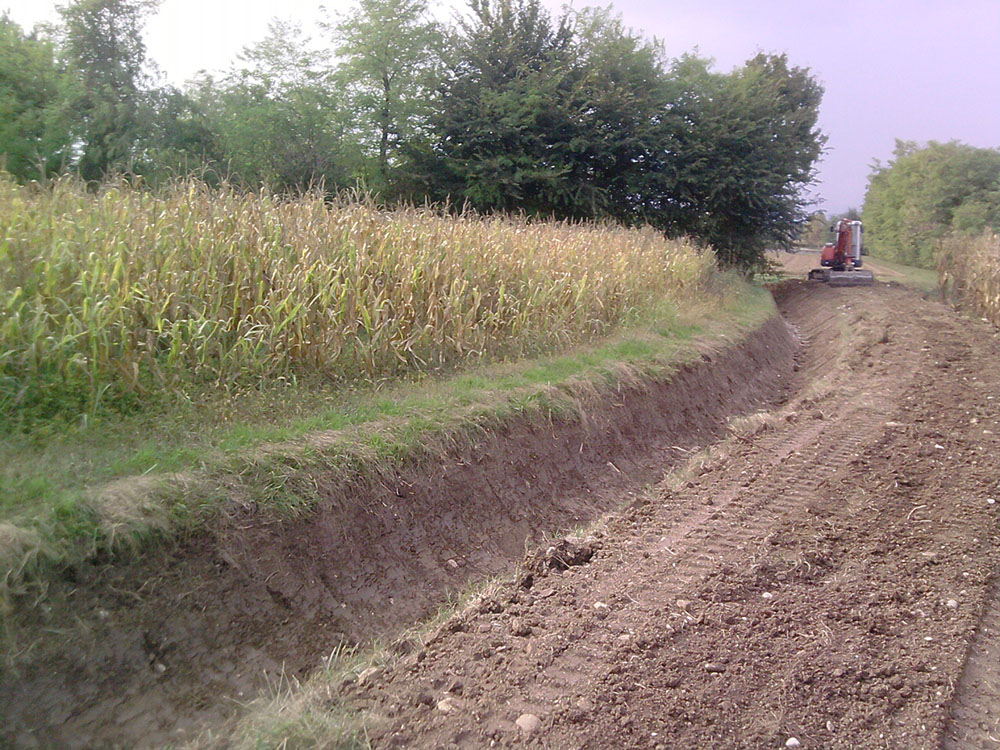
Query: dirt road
818 580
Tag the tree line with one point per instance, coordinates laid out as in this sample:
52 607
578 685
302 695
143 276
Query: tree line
509 108
927 194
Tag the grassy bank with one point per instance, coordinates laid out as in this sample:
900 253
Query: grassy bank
297 336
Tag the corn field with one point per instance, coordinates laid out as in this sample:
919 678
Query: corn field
126 290
969 274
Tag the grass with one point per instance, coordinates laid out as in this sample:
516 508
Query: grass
921 279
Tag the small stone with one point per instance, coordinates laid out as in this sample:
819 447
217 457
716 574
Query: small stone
446 705
453 564
159 667
424 699
683 604
714 667
990 501
585 704
528 723
829 725
952 604
600 605
767 595
519 627
792 742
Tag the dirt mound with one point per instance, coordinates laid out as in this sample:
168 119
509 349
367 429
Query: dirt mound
151 653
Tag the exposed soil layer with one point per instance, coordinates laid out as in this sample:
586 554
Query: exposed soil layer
151 653
828 581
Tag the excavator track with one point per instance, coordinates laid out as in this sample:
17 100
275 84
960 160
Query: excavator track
854 277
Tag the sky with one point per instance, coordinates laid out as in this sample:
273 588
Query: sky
918 70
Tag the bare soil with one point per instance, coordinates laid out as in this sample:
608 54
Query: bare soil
819 584
829 576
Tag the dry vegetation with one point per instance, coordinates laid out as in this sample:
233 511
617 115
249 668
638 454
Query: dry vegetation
106 297
969 274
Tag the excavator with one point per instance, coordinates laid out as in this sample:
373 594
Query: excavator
841 260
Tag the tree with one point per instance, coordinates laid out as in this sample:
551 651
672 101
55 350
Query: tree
744 146
278 120
179 138
389 49
815 232
501 126
103 41
36 131
926 193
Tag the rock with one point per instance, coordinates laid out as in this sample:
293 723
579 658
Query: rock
600 605
519 627
767 595
423 699
585 704
528 723
683 604
714 667
452 564
447 705
792 742
952 604
829 726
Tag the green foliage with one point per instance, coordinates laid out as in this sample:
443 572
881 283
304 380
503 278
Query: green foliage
573 116
815 232
35 132
279 120
389 49
577 117
925 194
746 144
103 41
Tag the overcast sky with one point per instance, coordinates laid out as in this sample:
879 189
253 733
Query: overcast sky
916 69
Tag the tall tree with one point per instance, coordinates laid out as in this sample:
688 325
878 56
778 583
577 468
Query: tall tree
501 126
278 120
745 145
36 130
103 40
389 49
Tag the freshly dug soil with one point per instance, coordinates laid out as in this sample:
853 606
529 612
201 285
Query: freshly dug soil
829 581
157 651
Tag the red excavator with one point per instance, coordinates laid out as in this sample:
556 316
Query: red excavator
841 260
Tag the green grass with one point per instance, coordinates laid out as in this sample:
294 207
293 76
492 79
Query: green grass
174 459
923 279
